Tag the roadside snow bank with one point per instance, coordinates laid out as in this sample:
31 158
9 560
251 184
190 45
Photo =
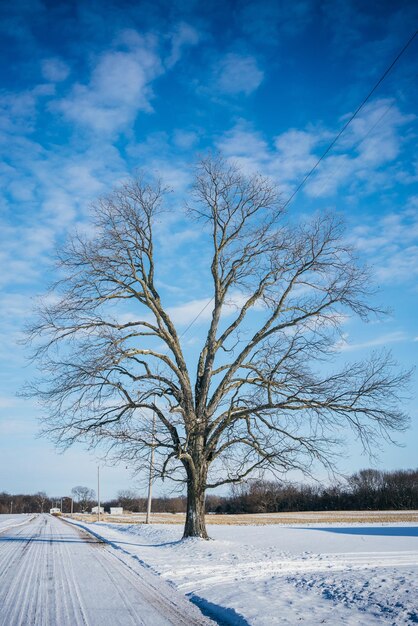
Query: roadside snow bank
10 521
266 575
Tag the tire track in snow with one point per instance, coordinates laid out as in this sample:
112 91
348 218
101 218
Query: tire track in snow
153 597
70 610
9 555
15 589
52 573
28 607
75 597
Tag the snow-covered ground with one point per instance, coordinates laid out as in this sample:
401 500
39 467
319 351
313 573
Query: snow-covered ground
53 574
354 574
10 521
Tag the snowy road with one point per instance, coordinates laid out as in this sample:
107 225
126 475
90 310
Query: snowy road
52 573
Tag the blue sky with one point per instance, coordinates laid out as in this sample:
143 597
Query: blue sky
91 91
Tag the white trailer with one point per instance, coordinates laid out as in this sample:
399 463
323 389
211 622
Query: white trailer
116 510
55 511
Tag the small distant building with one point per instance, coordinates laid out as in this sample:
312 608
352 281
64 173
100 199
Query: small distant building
96 510
116 510
55 511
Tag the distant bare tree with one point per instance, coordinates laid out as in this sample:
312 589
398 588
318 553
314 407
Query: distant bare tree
42 500
130 500
84 496
262 396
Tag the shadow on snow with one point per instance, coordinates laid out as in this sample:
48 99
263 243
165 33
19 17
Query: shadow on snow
386 531
22 539
219 614
53 539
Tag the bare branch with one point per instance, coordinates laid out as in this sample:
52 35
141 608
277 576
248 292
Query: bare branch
263 395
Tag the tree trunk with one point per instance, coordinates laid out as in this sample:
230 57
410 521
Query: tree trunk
195 513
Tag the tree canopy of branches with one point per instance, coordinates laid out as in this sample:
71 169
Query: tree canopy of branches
260 396
84 496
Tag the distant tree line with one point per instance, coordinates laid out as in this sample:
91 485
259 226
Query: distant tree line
131 501
25 503
368 489
40 502
364 490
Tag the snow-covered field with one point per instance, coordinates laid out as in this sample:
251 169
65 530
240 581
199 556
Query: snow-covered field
10 521
255 519
354 574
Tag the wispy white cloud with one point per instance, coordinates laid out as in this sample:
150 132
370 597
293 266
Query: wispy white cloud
391 244
160 153
344 344
55 70
53 189
121 79
183 37
14 306
119 87
367 159
23 252
13 426
185 139
365 155
202 308
247 147
9 402
402 265
238 74
363 160
185 313
18 110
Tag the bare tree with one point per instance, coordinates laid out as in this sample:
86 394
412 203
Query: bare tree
130 500
262 396
41 499
84 497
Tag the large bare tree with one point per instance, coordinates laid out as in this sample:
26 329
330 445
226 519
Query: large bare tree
84 496
263 394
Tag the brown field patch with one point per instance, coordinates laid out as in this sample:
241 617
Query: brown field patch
263 519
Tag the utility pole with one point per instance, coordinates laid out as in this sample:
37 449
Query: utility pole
151 473
98 493
67 498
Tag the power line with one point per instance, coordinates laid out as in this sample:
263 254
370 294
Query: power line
193 321
346 125
331 145
298 188
196 318
359 142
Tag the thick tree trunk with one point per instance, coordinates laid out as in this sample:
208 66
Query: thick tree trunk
195 513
